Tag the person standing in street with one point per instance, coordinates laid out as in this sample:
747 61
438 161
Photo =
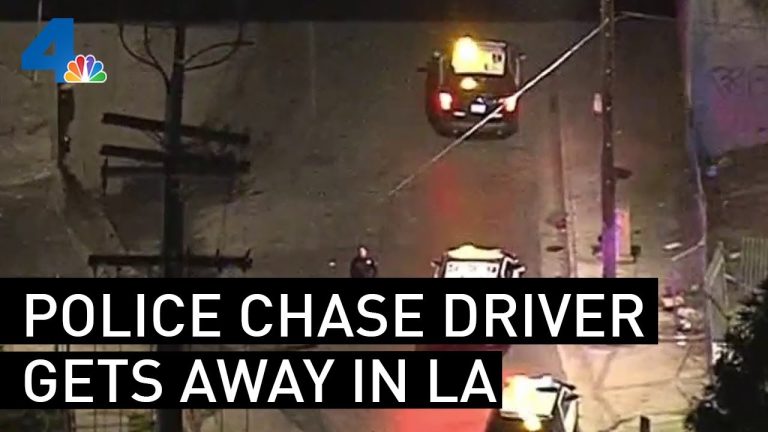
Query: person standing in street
66 114
363 265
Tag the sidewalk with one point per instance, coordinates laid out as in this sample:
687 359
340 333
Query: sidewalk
48 223
620 383
37 241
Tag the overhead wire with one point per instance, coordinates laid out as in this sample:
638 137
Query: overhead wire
530 84
525 88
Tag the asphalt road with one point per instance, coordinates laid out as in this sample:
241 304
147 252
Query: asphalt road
336 148
37 245
337 116
333 133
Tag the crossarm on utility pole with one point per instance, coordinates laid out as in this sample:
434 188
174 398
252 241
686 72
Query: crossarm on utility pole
150 125
216 261
223 170
185 163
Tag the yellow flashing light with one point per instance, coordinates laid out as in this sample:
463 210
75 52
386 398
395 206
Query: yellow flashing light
466 50
468 83
532 424
520 397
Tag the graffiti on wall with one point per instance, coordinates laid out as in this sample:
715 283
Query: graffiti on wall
738 105
741 81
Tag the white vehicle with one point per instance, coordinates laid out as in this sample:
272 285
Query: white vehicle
536 404
470 261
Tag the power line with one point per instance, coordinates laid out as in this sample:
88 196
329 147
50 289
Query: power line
613 19
527 86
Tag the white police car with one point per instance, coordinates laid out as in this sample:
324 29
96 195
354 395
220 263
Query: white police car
536 404
470 261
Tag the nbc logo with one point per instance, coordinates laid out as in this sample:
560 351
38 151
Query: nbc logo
85 69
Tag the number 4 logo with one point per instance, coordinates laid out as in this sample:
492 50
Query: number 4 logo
59 33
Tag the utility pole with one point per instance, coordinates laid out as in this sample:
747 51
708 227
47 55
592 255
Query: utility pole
172 420
173 212
175 161
607 166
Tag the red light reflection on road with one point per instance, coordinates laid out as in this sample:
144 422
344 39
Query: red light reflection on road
421 420
445 192
446 204
450 420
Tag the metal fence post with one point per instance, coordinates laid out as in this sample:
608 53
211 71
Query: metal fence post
645 424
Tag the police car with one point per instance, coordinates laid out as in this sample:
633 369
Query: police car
469 83
470 261
536 404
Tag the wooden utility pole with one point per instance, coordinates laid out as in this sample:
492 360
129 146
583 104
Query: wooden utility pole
607 166
176 162
173 213
172 420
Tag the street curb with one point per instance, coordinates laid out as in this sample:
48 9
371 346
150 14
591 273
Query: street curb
571 363
570 216
98 221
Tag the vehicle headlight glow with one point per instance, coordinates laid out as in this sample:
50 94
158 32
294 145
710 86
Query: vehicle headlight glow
468 83
532 424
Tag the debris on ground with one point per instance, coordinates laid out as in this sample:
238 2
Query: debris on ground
669 303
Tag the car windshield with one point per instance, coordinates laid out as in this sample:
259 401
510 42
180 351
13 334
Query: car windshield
479 58
471 269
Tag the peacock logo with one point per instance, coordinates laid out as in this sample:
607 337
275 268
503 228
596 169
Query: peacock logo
85 69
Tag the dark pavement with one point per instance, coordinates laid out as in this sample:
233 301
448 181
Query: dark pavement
330 142
325 187
325 156
333 133
35 239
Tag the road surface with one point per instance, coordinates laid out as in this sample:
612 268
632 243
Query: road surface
337 117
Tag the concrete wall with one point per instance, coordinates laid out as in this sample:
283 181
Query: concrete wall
728 59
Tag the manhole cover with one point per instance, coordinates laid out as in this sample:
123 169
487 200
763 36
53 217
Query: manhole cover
555 248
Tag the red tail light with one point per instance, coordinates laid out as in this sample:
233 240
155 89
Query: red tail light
446 101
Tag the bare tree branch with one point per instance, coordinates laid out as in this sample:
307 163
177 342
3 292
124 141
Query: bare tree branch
148 50
153 64
233 45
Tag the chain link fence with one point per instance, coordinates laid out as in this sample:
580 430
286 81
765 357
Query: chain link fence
715 290
725 291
